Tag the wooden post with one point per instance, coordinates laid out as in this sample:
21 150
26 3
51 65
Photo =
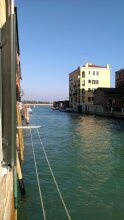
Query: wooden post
20 134
26 114
19 172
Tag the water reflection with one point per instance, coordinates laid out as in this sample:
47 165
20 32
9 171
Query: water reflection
86 154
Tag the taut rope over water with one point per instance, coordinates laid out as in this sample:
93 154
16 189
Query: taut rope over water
38 182
61 197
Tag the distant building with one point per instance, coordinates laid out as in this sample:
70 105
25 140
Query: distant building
61 104
110 98
84 80
119 78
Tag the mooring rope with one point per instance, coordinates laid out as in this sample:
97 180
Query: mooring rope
61 197
38 182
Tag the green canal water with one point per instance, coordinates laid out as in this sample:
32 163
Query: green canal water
86 154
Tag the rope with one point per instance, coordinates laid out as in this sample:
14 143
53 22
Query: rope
66 210
38 182
27 127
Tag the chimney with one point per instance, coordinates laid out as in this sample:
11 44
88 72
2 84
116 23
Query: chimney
86 64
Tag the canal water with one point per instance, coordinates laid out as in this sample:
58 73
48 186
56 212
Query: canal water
86 154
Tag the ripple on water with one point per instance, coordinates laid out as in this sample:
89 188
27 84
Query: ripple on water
86 155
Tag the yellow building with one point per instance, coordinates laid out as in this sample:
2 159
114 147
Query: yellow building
84 80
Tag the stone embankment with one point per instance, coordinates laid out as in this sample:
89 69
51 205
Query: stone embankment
100 110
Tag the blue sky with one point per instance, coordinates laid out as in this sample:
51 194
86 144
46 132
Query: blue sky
57 36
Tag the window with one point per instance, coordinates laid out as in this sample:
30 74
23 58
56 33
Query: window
83 99
83 82
83 74
89 72
89 81
89 99
95 82
93 98
89 90
97 73
94 73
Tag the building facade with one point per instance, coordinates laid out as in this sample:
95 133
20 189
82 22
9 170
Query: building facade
10 76
84 80
110 98
119 78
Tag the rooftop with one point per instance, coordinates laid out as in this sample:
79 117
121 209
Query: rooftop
95 66
120 71
111 91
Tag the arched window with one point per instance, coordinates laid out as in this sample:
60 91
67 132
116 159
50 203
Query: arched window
83 74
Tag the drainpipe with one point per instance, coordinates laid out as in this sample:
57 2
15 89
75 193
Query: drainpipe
12 7
13 84
1 155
